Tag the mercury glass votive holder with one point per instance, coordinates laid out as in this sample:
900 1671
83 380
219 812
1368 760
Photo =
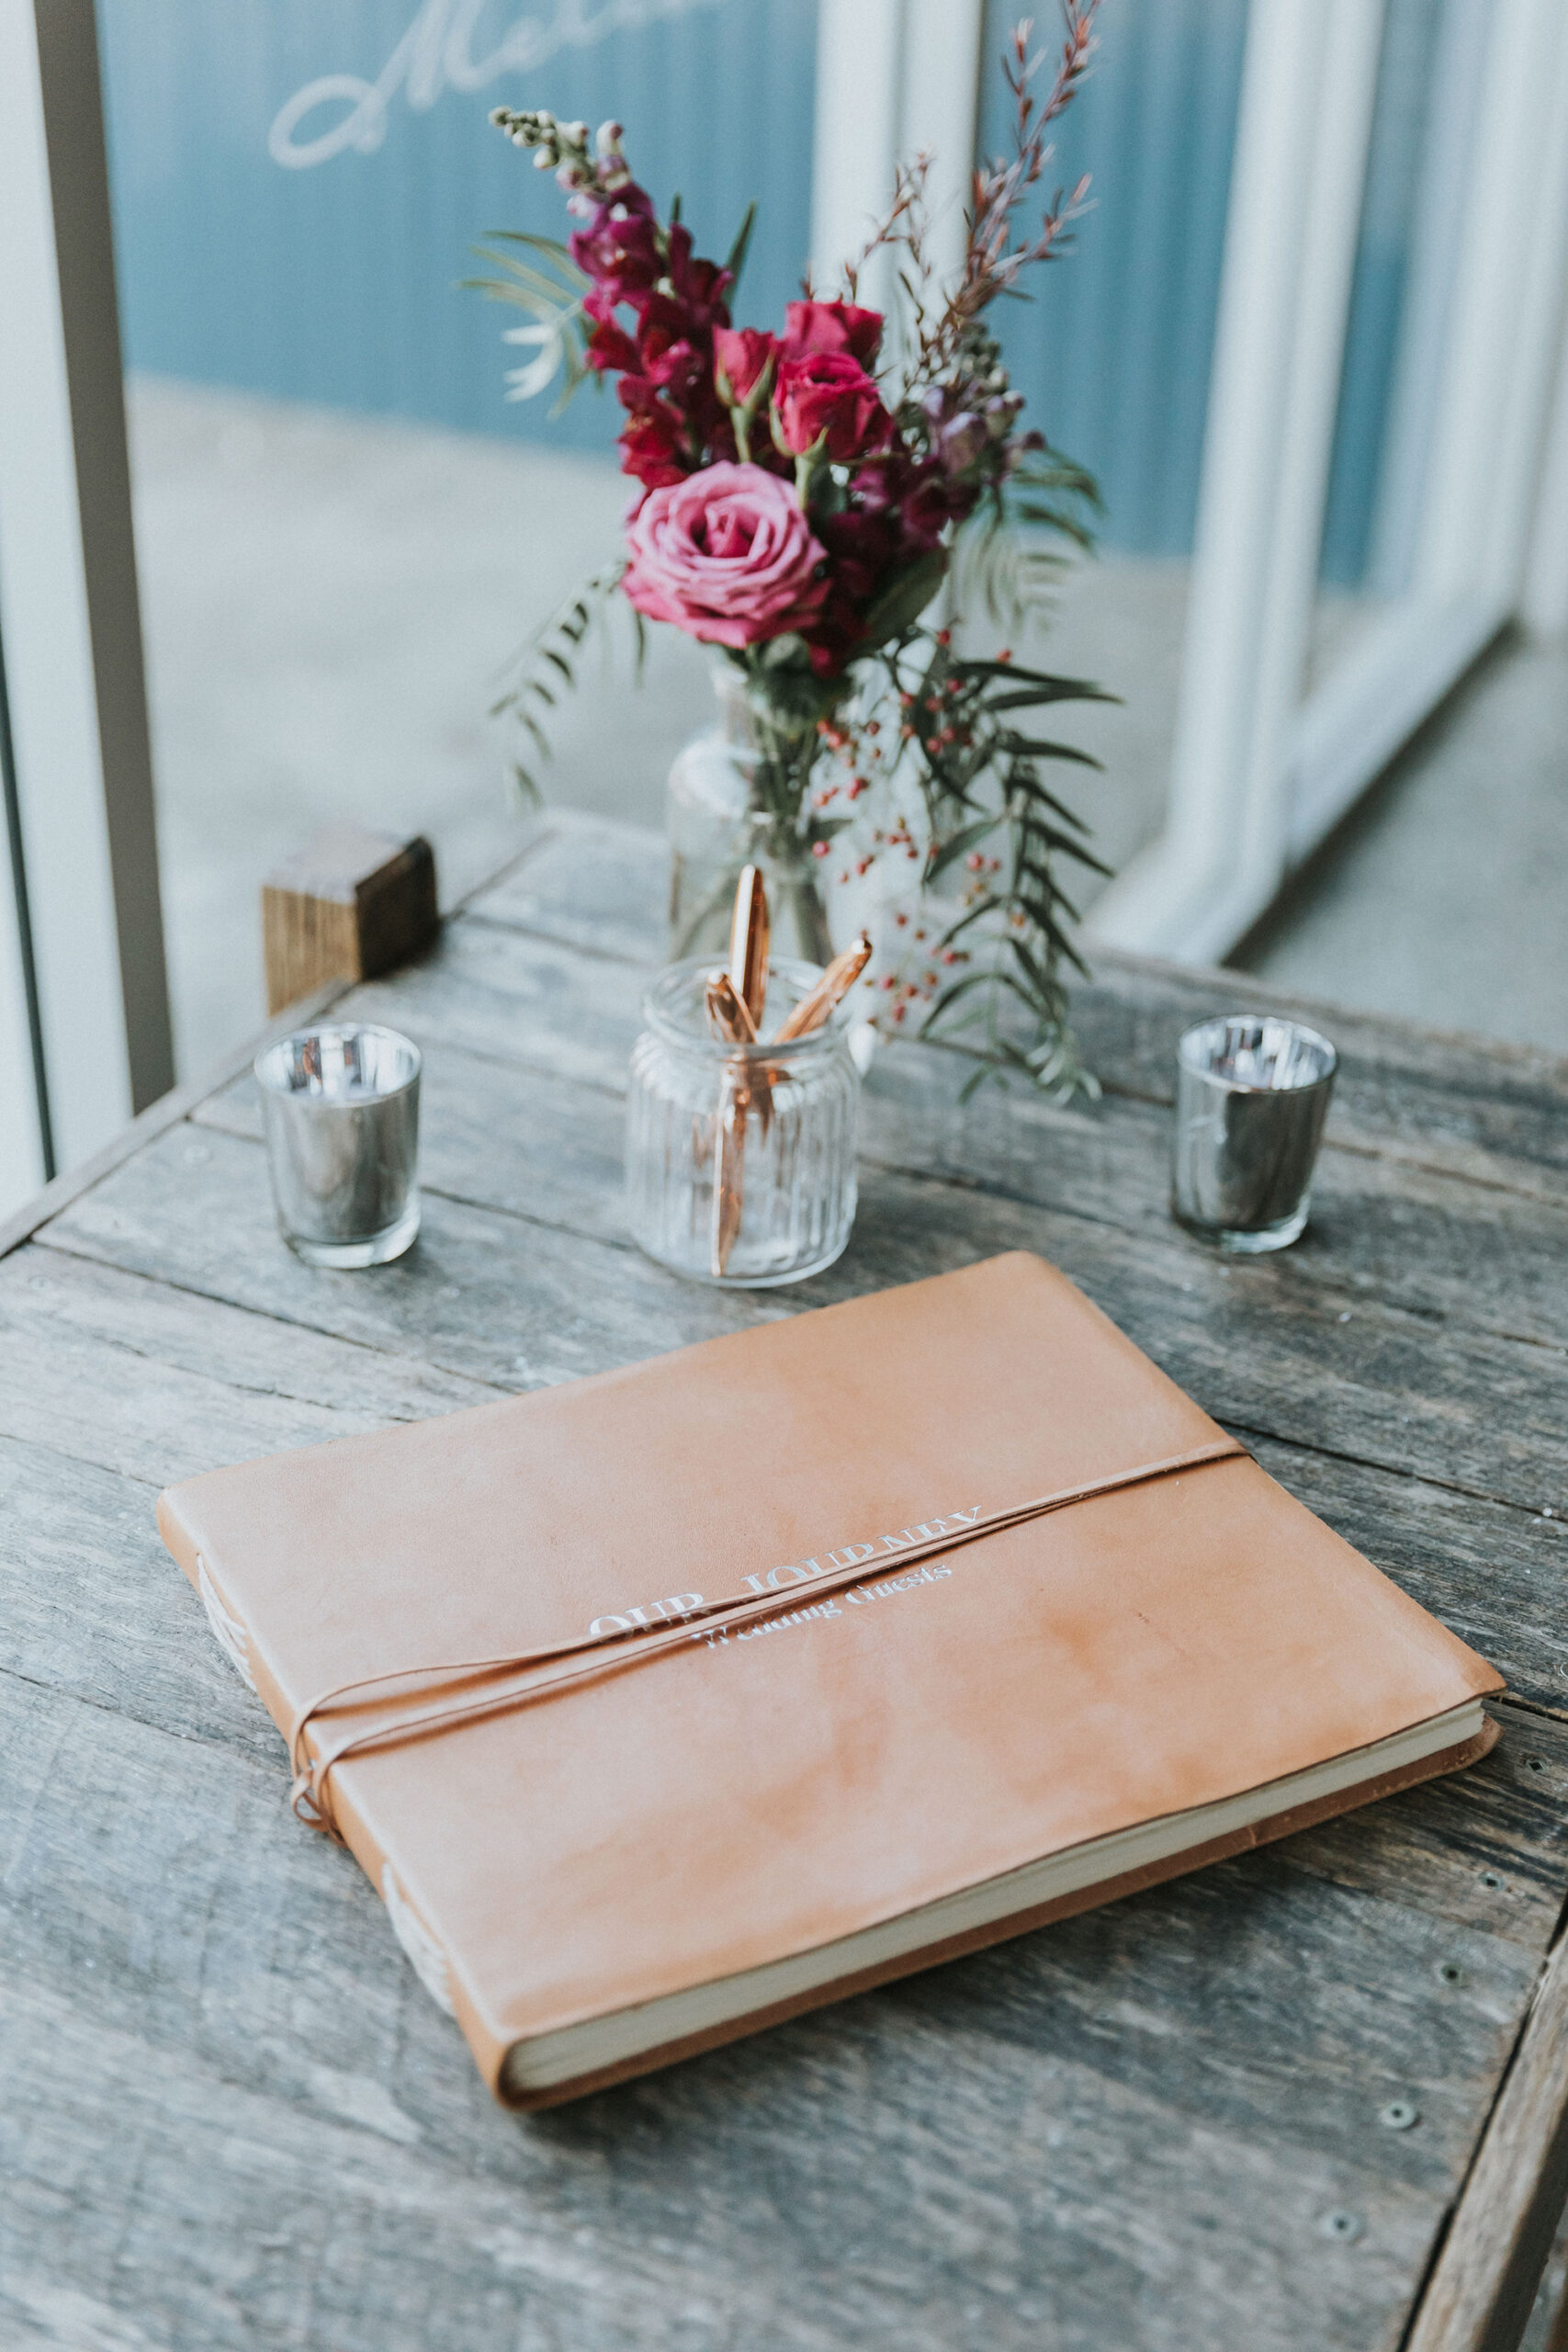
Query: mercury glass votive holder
340 1105
740 1159
1252 1093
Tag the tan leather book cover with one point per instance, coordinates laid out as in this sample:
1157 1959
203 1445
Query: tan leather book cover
866 1728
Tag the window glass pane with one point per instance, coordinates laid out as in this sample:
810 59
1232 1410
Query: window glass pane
1114 356
1428 76
344 529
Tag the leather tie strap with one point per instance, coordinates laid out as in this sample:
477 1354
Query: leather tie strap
593 1655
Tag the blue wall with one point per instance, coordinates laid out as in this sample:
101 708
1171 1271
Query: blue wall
339 283
1114 350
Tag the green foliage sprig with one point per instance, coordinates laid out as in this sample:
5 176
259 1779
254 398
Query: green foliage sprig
549 662
996 827
550 287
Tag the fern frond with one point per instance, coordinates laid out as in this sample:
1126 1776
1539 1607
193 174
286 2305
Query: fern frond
552 653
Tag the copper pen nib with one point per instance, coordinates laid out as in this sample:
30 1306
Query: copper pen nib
727 1016
732 1026
749 943
831 989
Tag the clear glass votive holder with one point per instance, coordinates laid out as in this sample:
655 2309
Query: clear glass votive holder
740 1159
341 1110
1251 1097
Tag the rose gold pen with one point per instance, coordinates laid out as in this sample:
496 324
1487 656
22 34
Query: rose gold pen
749 943
735 1002
830 991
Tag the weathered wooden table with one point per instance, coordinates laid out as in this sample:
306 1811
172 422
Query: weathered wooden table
1315 2098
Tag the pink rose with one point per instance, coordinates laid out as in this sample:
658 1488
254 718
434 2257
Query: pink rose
828 393
832 326
727 555
740 356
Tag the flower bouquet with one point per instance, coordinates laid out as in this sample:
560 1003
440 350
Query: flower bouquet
805 497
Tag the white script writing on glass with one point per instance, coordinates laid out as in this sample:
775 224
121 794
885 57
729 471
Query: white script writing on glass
437 53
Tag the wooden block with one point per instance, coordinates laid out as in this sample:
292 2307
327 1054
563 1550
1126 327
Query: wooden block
349 905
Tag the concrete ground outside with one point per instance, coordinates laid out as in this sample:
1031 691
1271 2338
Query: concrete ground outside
331 603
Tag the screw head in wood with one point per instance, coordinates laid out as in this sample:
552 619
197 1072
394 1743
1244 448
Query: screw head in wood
1399 2115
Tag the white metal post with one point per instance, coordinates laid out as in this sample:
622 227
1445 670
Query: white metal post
68 608
855 145
1309 80
894 77
941 111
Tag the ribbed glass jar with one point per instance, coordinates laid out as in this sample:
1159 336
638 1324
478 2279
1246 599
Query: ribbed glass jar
740 1159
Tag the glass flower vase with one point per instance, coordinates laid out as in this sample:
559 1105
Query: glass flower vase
740 794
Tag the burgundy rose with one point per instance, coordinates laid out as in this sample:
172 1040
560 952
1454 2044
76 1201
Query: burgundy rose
741 358
827 393
727 555
832 326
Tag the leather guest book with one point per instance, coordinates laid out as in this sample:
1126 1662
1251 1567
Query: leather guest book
667 1703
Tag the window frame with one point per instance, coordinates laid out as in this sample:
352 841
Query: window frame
85 1031
1262 772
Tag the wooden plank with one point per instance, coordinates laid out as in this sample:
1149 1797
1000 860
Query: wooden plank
1491 1571
523 1141
1257 1346
1464 1105
1480 2294
1048 2144
167 1111
489 1296
116 1385
93 1608
499 1129
214 2039
514 998
113 1369
1482 1256
1487 1850
591 883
